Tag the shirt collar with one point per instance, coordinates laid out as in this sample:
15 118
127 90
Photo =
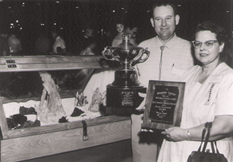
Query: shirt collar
218 72
169 44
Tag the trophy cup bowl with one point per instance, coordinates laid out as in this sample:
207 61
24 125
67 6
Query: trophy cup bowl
122 95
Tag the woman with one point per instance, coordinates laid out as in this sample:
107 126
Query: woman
119 37
208 97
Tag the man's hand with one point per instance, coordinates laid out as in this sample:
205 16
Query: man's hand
142 105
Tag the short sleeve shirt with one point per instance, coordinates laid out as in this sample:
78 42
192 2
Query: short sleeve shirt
176 57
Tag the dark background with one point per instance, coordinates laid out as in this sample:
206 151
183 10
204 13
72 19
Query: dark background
72 17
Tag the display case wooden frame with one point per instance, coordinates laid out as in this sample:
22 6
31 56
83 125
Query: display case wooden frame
34 142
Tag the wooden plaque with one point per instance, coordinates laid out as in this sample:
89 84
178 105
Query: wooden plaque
164 104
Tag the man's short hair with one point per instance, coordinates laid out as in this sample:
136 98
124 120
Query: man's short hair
164 3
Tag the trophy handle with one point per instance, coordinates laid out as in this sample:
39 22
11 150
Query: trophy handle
108 55
145 53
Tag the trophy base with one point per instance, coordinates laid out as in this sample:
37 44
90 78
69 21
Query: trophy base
123 101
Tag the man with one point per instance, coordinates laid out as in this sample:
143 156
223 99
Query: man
59 45
85 41
169 56
15 45
4 47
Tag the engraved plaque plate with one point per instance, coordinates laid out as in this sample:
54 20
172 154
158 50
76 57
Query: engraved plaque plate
127 98
164 104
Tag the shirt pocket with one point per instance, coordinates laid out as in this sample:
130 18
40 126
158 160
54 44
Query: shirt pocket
175 70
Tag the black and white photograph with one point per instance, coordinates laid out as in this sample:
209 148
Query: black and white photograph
116 80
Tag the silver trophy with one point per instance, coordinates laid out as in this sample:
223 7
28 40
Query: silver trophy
122 94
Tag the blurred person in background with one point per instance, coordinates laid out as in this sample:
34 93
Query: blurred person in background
59 45
85 40
15 45
120 28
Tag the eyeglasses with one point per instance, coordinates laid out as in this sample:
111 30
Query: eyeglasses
207 44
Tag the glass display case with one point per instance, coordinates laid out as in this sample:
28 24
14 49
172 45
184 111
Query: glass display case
44 109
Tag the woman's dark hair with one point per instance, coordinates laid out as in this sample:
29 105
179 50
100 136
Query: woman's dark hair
214 28
221 37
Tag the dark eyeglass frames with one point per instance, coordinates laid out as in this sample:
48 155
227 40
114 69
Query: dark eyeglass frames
207 44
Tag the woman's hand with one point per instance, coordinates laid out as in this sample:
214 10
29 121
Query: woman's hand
175 134
221 128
